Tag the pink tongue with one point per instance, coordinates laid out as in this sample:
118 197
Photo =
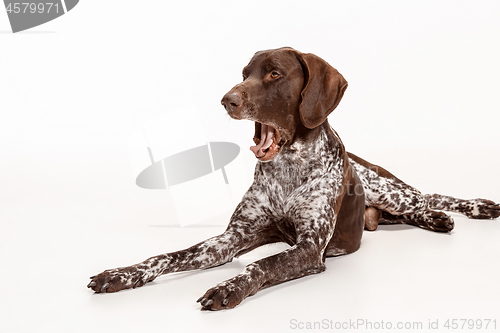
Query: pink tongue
266 140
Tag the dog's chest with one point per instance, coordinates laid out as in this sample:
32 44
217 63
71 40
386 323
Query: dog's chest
288 172
299 169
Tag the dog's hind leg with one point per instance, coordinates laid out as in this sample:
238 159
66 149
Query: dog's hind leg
389 200
474 209
434 220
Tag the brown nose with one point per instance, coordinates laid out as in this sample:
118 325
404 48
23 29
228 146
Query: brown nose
232 102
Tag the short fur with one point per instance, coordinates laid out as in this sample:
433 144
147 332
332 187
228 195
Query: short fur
307 190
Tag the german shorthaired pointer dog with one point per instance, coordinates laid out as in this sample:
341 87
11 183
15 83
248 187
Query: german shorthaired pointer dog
307 191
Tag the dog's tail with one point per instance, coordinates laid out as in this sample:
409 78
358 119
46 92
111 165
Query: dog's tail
474 209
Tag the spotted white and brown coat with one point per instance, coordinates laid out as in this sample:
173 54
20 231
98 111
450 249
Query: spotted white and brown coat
307 190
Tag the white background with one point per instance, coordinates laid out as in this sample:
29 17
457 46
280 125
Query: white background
423 101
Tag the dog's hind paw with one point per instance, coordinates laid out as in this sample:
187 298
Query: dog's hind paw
482 209
441 222
432 220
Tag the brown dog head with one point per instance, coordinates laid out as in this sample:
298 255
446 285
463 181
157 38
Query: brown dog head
287 93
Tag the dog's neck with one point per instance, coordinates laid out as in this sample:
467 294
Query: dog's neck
312 142
308 156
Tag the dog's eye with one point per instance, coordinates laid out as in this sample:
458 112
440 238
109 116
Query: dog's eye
275 75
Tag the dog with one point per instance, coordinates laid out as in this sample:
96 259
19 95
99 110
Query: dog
308 191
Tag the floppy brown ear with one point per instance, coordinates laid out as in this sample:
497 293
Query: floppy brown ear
324 88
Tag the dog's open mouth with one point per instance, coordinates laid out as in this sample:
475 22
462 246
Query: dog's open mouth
267 140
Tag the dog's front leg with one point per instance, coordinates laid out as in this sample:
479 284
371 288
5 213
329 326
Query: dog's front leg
314 229
241 234
212 252
304 258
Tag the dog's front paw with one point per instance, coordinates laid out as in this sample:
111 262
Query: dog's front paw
117 279
225 295
228 294
483 209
